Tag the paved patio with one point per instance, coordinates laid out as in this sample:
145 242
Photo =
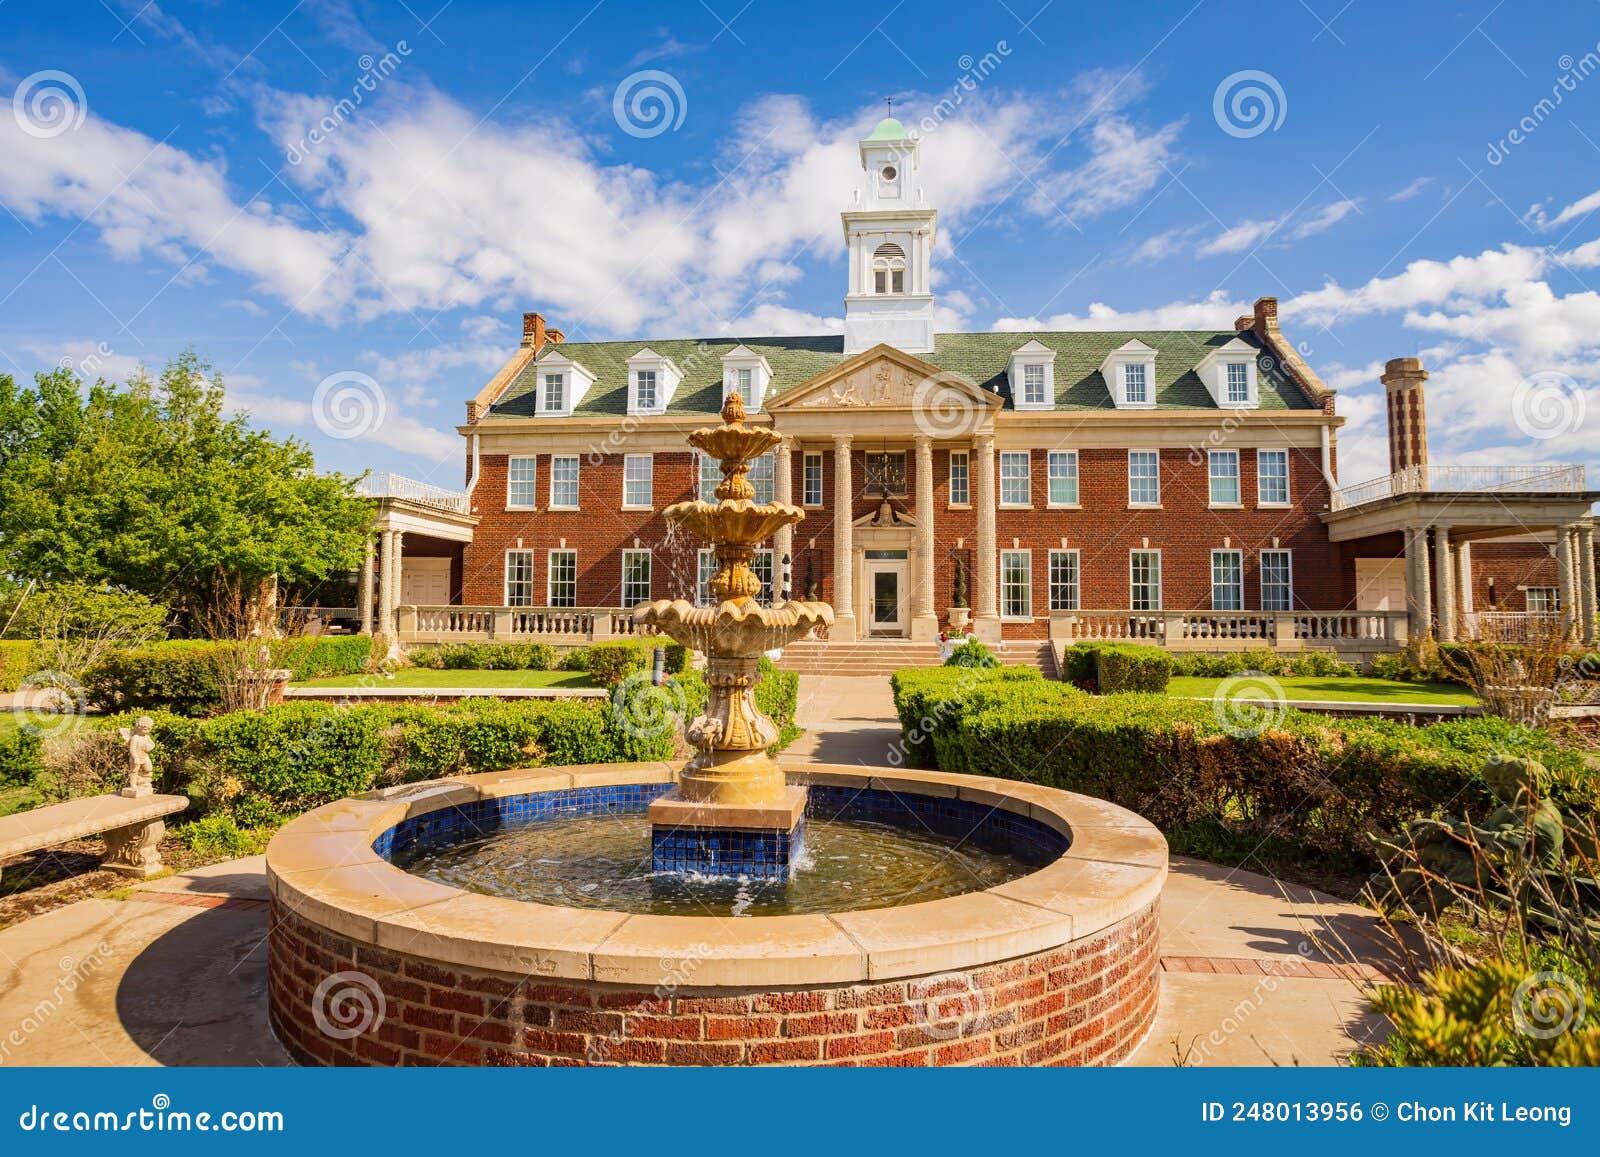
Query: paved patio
1254 973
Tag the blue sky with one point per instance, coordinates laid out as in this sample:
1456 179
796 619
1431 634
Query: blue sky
1408 179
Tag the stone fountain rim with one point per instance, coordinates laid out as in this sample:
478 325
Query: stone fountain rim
321 866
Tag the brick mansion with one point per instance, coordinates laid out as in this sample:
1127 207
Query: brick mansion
1179 487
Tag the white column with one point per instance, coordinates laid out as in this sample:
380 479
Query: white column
844 561
1419 595
783 488
1564 584
364 593
925 620
1587 597
386 577
986 562
1446 584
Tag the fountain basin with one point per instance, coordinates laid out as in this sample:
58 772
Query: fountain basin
1058 966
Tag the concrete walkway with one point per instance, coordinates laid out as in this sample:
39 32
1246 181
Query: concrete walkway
176 973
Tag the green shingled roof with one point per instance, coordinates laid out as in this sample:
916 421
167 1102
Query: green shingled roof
983 357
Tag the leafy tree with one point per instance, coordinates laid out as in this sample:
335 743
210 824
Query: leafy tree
152 488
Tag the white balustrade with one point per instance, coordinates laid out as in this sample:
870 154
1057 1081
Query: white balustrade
1542 478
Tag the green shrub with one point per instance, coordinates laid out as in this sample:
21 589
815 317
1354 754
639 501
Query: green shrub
328 656
1205 666
677 658
174 676
611 663
1318 665
576 659
1129 667
220 836
1397 665
16 663
20 757
486 657
777 694
972 653
1311 782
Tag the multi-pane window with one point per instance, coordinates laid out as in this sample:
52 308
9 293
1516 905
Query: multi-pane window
1063 580
564 482
646 389
638 487
710 477
960 478
563 584
811 480
519 578
1063 478
1015 485
761 564
1227 580
764 478
707 569
635 577
1238 383
1277 581
1033 385
1224 467
1144 478
1272 477
1144 579
886 475
520 491
743 381
1016 584
555 393
1543 600
1135 383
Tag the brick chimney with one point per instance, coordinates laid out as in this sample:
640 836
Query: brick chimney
1241 324
1408 419
533 331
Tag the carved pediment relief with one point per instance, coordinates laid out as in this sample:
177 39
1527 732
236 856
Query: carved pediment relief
886 378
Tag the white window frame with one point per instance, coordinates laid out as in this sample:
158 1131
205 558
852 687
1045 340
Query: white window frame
1213 476
1064 457
525 557
1217 369
1075 602
1032 384
744 382
636 501
809 496
1115 372
531 481
1026 501
1034 358
768 560
1550 596
629 600
1140 503
1267 604
1261 498
577 478
965 501
558 380
646 403
705 570
1133 583
738 362
550 577
763 477
1027 588
706 484
1231 379
1127 372
1236 557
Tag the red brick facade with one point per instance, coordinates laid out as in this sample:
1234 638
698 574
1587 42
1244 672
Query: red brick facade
1087 1003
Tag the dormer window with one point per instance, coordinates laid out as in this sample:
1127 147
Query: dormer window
1229 373
747 374
652 379
1032 374
888 268
1130 374
562 384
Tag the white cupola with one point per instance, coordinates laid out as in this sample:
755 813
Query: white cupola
889 231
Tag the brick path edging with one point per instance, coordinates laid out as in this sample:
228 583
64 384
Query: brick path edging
1088 1002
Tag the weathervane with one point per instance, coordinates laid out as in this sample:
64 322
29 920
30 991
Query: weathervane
889 100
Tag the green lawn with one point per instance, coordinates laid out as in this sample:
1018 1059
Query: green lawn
1340 690
425 677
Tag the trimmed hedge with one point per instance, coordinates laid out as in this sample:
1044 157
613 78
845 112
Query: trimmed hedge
181 675
1116 667
486 657
1309 784
611 663
1305 664
16 663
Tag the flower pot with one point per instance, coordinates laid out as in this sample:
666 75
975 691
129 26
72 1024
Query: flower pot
960 617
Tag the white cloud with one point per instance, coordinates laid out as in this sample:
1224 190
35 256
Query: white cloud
1582 207
1411 190
1238 238
1324 219
1216 312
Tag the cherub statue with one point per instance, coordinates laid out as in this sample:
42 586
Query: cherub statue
141 771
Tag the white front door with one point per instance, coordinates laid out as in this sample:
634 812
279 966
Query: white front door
1380 584
425 582
886 598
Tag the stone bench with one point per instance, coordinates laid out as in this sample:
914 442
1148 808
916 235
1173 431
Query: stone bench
133 827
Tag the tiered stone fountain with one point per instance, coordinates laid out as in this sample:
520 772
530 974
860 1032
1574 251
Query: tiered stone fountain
732 813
